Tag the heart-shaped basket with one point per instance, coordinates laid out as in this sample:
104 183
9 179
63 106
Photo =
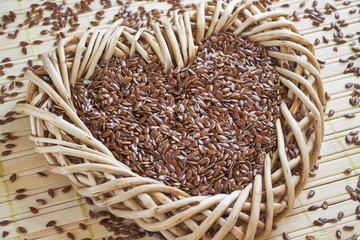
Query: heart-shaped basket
71 150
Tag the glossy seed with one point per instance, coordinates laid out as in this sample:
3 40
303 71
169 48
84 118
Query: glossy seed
58 229
348 227
338 234
12 178
21 230
51 193
325 205
41 201
340 215
33 210
349 115
285 236
66 189
311 194
5 223
41 174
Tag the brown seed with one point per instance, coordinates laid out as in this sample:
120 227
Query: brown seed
325 205
51 193
285 236
311 194
37 42
5 234
34 210
327 95
70 236
340 215
41 174
348 227
349 85
82 226
313 207
5 223
58 229
23 43
66 189
92 214
318 223
347 170
349 115
24 50
44 32
21 230
20 197
6 153
331 112
20 190
338 234
317 41
12 178
51 223
41 201
357 210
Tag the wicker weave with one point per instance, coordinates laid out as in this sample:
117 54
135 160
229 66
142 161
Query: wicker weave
245 214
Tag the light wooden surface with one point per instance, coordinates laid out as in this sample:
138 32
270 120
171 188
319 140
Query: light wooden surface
69 209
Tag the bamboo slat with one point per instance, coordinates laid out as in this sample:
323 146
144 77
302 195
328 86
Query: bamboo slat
329 183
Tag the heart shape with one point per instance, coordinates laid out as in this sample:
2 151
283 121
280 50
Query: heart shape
205 128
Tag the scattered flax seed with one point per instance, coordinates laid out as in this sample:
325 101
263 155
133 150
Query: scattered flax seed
313 207
327 96
34 210
21 230
92 214
41 201
21 190
338 234
286 5
347 170
51 193
24 50
66 189
5 234
357 209
70 236
311 194
20 197
348 227
6 153
51 223
82 226
12 178
349 115
325 205
285 236
89 201
318 223
58 229
37 42
41 174
23 43
6 60
5 223
340 215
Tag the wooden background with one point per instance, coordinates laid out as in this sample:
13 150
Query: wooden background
69 209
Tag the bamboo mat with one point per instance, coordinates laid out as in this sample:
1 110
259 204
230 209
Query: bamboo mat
70 209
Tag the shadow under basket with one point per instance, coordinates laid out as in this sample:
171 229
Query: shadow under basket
243 214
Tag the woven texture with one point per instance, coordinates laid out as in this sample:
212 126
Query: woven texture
245 214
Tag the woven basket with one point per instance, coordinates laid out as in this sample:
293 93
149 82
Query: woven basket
245 214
